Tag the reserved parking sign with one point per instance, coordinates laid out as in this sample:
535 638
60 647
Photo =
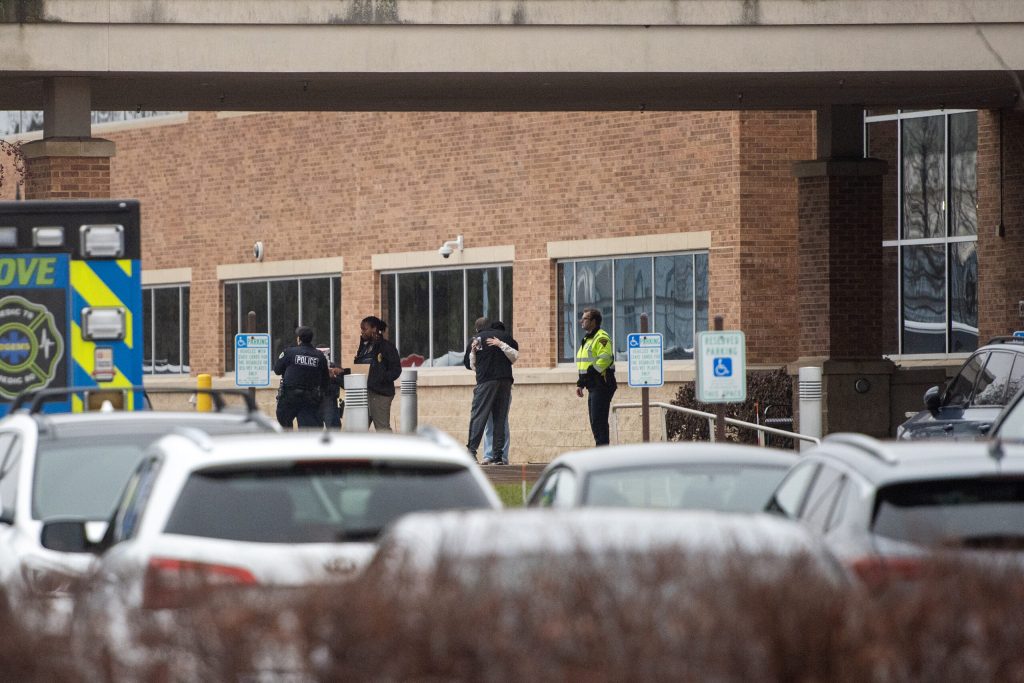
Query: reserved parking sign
721 366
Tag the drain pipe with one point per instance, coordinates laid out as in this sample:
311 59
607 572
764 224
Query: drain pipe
810 404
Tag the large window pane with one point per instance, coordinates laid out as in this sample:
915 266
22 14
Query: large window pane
413 317
449 334
389 305
147 331
632 299
924 299
482 296
284 315
924 186
566 330
186 302
167 330
316 311
890 300
254 299
963 173
593 287
700 266
963 296
507 310
230 325
673 304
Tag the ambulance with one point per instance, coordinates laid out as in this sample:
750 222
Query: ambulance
71 302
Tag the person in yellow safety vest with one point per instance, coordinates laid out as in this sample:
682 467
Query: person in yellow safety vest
595 362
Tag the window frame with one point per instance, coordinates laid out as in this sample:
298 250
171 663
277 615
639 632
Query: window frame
947 240
394 326
334 304
184 366
608 318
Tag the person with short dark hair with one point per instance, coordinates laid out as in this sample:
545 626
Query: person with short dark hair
304 381
595 363
490 354
385 367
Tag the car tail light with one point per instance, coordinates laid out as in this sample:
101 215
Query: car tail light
878 570
168 582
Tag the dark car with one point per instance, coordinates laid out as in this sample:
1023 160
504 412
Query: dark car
972 400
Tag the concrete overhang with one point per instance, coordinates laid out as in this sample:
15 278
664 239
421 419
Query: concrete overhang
515 55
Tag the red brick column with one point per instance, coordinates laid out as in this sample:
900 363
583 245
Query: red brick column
1000 200
839 287
68 168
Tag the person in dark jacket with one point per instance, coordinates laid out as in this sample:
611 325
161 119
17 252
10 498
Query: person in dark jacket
490 353
331 406
385 367
304 380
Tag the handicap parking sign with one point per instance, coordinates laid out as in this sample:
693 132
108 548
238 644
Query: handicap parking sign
721 366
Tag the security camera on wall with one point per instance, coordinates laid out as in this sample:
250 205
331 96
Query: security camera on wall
257 251
449 247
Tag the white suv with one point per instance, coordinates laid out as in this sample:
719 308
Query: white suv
283 510
74 465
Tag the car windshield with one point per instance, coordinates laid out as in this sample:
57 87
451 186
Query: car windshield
729 488
83 477
316 502
981 512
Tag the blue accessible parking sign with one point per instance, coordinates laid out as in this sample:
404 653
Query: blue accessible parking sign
721 366
646 366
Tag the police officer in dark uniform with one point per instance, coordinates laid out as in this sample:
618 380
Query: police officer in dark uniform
305 379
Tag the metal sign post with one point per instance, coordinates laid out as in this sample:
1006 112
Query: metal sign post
721 370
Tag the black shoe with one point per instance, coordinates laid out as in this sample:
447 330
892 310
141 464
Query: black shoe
488 461
497 462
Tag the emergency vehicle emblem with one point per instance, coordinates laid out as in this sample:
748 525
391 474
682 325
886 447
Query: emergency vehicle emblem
31 346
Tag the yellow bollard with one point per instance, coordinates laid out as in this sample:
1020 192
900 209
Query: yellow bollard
204 402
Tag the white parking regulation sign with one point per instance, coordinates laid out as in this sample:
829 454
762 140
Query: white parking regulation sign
721 367
646 359
252 360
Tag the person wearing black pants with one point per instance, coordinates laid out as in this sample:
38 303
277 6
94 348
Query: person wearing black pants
304 380
595 362
490 353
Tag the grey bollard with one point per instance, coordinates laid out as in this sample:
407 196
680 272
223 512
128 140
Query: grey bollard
410 405
357 408
810 404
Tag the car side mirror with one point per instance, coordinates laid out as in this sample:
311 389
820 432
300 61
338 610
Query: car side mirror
66 536
932 400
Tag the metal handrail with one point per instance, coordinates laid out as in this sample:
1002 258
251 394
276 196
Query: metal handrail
711 421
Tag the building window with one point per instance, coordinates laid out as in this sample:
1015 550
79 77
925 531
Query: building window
931 229
165 330
280 306
674 287
431 313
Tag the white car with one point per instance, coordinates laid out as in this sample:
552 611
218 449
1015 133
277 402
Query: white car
75 465
273 510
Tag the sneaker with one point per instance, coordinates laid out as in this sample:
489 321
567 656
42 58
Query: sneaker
497 462
488 461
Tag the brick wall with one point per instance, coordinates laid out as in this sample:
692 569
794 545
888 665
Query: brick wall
356 184
68 178
840 266
1001 279
769 144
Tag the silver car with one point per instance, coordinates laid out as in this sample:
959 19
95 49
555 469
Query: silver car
884 507
678 475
